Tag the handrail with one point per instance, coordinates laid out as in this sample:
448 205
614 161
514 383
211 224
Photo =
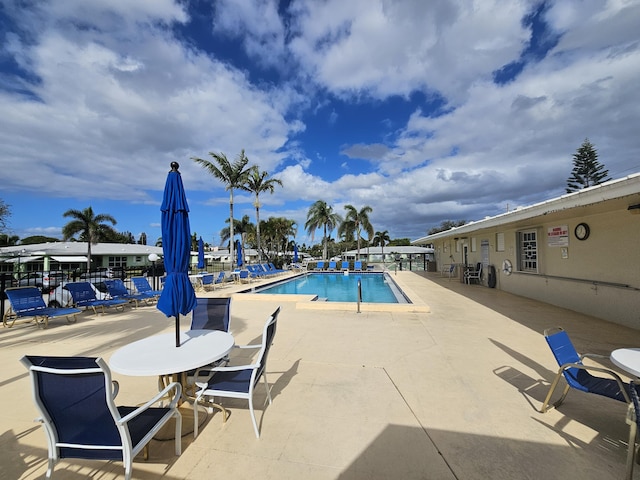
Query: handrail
592 282
359 293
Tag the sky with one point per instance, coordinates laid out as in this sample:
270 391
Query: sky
424 111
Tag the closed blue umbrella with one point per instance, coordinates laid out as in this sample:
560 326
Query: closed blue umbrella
295 253
200 254
177 295
239 250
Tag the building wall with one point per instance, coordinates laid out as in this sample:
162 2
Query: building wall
599 276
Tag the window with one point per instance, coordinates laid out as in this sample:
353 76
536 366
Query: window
499 242
117 261
528 251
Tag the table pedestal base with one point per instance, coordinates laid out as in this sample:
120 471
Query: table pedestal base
167 432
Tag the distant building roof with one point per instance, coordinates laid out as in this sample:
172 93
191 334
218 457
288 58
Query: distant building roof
404 250
80 249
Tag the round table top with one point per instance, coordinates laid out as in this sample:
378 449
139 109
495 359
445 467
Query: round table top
628 359
158 355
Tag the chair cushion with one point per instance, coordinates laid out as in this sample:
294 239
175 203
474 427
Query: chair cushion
236 381
143 423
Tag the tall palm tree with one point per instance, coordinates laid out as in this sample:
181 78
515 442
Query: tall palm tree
321 215
91 228
233 175
381 239
355 223
257 183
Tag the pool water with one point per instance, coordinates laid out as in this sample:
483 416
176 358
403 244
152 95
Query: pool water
376 287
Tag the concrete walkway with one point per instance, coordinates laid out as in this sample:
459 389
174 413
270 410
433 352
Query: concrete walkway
448 394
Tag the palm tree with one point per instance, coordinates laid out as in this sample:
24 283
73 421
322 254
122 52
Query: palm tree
277 231
242 227
234 175
321 215
258 183
91 228
382 239
355 223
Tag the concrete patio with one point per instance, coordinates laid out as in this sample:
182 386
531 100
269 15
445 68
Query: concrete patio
449 392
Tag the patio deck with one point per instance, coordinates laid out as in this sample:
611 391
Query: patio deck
448 394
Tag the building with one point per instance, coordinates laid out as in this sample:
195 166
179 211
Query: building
580 251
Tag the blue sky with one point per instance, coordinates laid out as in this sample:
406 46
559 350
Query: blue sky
425 111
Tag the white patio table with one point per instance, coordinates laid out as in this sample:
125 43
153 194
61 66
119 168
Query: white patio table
158 355
627 359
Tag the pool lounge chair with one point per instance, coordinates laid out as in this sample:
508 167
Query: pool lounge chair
142 286
26 303
84 295
332 266
344 266
117 289
357 266
319 266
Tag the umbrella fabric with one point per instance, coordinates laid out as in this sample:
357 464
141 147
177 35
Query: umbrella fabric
239 250
177 296
295 253
200 253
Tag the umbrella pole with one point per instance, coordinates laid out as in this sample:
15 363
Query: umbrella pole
177 330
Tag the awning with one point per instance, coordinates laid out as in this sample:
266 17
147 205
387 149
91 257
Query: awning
23 259
69 259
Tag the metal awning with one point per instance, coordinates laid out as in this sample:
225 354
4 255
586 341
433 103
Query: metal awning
69 259
23 259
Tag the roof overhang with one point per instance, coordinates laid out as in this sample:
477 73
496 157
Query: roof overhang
69 259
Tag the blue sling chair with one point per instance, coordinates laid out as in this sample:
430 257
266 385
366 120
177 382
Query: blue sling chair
75 399
238 381
577 375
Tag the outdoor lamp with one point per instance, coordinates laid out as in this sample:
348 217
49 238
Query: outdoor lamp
153 257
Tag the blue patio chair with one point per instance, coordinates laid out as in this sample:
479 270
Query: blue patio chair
243 276
220 280
75 399
207 281
118 290
238 381
357 266
332 266
272 268
577 374
319 266
211 314
26 303
344 266
84 295
142 286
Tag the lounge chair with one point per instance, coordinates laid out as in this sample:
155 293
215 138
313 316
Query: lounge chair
84 295
206 281
75 399
26 303
577 374
118 290
319 266
332 267
273 268
344 266
357 266
238 381
142 286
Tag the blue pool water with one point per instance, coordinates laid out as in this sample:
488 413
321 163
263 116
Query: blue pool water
376 287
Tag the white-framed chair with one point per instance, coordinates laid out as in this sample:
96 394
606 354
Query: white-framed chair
237 381
75 399
476 274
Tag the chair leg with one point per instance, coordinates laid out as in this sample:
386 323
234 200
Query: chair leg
554 384
253 417
633 431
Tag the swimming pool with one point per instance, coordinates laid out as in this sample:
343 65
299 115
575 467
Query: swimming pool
337 287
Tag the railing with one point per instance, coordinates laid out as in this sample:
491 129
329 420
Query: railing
359 294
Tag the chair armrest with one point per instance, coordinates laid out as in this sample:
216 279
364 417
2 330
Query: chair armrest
159 396
116 388
611 373
248 346
593 355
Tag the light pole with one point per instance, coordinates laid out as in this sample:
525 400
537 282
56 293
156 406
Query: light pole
153 258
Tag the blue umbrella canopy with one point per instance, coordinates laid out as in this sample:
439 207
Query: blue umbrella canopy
295 253
239 250
200 253
177 295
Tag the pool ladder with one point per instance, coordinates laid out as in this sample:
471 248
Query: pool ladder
359 293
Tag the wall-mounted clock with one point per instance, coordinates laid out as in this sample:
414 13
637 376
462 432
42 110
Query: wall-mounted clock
582 231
